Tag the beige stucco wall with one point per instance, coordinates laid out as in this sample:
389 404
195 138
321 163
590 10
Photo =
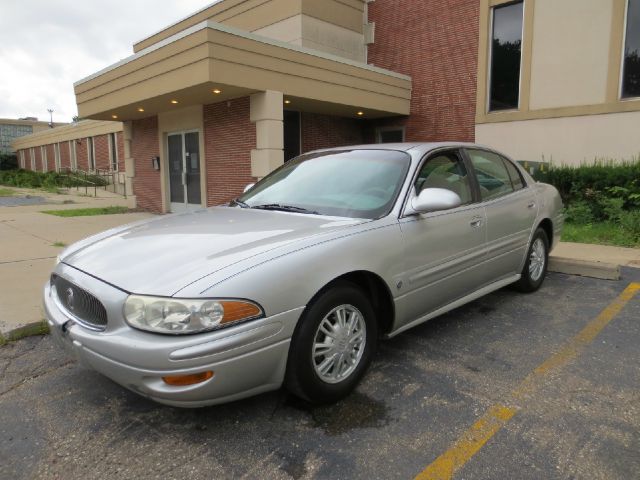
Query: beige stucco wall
253 15
569 140
570 52
321 35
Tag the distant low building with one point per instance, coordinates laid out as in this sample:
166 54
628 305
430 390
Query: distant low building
10 129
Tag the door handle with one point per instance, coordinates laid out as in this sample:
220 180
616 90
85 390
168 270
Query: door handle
531 204
476 222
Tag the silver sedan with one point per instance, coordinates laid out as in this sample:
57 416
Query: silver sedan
295 281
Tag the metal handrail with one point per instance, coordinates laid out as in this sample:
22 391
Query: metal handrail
82 176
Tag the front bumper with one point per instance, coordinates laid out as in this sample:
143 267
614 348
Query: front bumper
247 359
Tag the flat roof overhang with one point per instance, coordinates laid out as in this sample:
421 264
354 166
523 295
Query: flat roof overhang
188 66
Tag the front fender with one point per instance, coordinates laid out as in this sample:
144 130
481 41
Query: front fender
291 280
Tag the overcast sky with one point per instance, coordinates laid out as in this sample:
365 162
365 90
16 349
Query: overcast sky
46 45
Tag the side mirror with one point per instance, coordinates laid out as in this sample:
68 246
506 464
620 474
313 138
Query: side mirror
248 187
435 199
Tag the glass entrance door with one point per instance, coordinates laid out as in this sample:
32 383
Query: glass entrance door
184 171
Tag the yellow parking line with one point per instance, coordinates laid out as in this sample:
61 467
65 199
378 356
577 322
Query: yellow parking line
471 441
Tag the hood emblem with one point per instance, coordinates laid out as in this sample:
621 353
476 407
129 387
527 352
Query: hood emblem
70 299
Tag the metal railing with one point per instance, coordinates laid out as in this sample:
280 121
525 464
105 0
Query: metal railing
98 178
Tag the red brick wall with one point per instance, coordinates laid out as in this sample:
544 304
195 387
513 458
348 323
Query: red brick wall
436 43
120 144
65 157
326 131
81 154
51 158
229 137
102 152
144 146
38 158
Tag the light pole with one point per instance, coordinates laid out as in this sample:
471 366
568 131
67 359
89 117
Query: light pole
50 110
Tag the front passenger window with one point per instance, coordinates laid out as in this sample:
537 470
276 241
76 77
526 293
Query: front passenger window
492 174
445 170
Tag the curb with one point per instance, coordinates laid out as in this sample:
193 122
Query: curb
584 268
29 330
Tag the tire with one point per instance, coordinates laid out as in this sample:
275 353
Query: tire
318 379
534 272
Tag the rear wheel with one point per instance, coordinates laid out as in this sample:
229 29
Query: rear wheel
333 345
535 267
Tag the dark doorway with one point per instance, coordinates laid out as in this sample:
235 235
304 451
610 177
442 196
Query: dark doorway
291 134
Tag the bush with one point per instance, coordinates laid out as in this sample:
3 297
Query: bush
8 162
49 181
579 212
592 182
630 221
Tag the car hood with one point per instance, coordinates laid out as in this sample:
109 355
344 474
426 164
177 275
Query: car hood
162 256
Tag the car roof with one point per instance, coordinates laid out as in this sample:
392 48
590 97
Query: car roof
413 147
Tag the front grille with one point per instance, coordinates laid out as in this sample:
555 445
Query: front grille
79 303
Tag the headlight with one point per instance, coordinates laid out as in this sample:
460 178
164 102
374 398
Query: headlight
181 315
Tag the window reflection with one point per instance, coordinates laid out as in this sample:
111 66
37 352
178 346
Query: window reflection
631 67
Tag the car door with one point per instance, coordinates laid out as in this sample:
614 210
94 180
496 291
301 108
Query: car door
444 249
511 209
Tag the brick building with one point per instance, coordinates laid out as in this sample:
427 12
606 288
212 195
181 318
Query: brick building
88 145
224 96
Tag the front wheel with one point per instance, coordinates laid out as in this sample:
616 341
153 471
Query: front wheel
333 345
535 267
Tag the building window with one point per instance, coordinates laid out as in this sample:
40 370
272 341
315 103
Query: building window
631 60
43 156
56 153
72 155
113 151
291 134
91 154
506 47
390 135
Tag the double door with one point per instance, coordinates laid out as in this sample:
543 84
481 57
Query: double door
184 171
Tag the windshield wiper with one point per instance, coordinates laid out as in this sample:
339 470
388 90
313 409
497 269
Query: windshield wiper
240 203
286 208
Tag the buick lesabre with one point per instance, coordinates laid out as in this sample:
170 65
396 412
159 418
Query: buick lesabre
294 282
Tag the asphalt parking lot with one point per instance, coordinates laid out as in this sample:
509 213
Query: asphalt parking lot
534 386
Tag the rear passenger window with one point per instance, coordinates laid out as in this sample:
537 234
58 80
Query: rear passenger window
516 177
492 174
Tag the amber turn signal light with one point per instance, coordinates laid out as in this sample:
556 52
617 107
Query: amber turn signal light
184 380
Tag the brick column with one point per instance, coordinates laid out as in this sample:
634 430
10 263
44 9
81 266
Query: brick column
266 113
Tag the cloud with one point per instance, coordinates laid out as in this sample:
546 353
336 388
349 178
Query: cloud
46 46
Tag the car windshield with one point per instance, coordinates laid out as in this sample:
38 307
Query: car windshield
352 183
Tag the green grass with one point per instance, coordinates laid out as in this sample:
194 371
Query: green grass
87 212
604 233
58 244
6 192
41 328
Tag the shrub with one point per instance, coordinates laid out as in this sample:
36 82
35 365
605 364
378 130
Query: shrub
601 191
589 181
50 181
8 162
579 212
630 221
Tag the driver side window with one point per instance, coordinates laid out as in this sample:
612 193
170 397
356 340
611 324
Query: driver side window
445 170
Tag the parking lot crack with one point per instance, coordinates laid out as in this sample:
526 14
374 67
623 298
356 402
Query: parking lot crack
34 377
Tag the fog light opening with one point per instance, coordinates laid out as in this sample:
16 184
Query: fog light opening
184 380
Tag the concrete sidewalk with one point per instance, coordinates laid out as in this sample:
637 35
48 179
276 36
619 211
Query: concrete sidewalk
598 261
28 240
